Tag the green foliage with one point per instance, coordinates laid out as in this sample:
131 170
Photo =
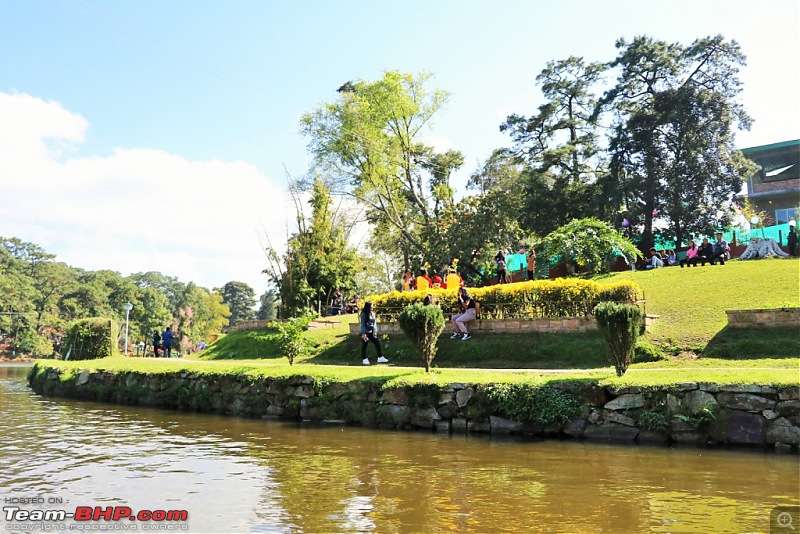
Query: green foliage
534 403
92 338
422 324
620 325
657 420
699 417
240 299
645 351
540 298
590 243
292 342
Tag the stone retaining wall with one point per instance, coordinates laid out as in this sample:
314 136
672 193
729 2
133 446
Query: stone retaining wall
567 325
740 415
776 317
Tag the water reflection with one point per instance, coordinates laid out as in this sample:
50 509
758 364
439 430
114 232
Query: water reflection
239 475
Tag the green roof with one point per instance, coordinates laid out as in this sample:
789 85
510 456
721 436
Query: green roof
764 148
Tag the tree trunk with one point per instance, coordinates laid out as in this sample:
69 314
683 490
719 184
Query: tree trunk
762 248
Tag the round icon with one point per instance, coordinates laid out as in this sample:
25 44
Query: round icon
784 520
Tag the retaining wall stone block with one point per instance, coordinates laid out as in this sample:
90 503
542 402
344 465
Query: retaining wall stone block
626 402
783 431
610 432
746 428
744 401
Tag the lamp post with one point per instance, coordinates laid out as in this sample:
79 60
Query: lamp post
127 307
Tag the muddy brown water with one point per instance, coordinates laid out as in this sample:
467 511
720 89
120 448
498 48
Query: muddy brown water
247 475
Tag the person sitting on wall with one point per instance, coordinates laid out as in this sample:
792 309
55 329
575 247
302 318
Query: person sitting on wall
671 258
352 306
655 260
721 250
461 319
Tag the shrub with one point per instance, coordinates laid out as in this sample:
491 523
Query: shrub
657 420
531 299
92 338
619 324
647 352
532 402
291 340
422 325
591 243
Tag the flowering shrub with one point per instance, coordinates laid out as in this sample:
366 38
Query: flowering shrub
566 297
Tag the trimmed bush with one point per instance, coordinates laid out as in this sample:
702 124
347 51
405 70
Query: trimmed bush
92 338
619 324
566 297
422 325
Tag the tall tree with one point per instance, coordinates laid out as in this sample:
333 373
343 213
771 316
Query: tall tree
368 142
674 160
559 146
241 299
268 305
318 257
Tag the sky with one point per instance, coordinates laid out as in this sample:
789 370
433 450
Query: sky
157 136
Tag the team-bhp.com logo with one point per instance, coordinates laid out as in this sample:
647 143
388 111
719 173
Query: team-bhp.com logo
96 513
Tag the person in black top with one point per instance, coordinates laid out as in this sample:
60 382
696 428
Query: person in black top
501 267
704 253
369 332
156 343
460 319
791 240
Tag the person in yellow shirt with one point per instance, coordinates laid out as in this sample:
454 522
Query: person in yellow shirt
423 282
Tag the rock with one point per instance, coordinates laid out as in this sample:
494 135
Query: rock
626 402
615 417
463 396
442 426
447 397
711 388
652 436
83 378
673 403
677 425
687 437
309 380
478 426
456 386
594 417
782 431
738 388
448 410
746 428
272 409
594 395
500 425
395 396
304 391
769 415
695 400
575 428
789 394
788 408
425 417
610 432
624 390
744 401
459 424
397 414
686 386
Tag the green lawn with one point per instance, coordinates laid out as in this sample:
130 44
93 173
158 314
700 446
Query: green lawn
692 329
692 301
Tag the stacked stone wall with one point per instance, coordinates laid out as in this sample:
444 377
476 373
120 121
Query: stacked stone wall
776 317
696 413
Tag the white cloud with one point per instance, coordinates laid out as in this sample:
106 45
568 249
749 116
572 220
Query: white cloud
134 210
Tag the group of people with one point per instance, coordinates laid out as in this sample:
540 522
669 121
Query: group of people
424 282
162 343
707 252
338 305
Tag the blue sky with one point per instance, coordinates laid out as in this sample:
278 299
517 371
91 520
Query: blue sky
152 135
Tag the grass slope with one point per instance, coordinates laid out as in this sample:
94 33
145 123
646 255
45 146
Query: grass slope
691 302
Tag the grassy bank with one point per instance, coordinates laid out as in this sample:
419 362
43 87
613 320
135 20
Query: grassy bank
781 372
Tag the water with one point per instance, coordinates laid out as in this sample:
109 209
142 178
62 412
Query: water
243 475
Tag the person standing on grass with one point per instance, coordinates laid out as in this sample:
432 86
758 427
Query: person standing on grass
460 319
369 332
156 343
166 338
501 267
791 240
531 263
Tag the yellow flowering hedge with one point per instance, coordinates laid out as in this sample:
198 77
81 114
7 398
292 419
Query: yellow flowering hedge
564 297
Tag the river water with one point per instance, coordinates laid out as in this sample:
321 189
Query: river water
246 475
